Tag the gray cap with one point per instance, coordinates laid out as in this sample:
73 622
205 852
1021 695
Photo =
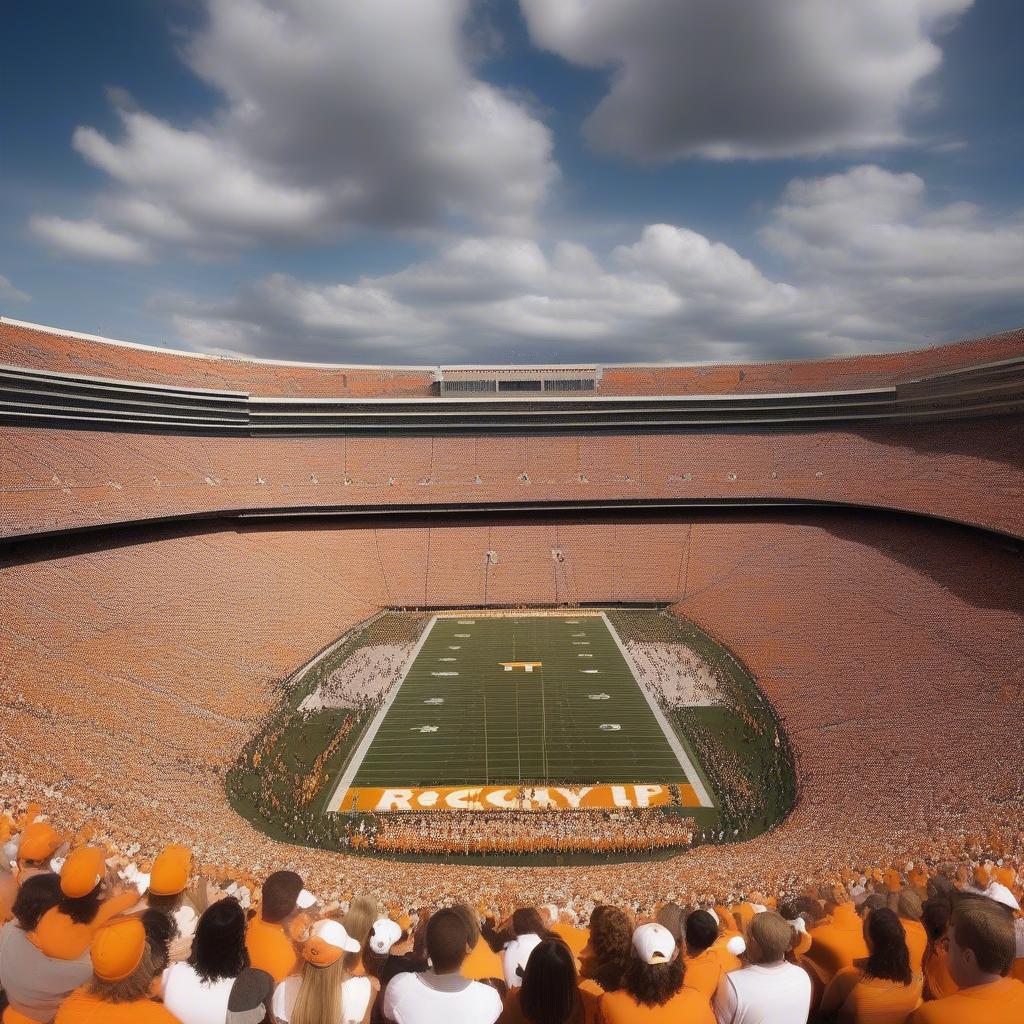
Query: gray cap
249 994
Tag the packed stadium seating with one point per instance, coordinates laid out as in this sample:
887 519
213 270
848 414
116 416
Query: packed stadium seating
873 584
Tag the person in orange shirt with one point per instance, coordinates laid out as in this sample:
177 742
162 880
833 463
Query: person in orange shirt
981 947
705 960
938 982
66 930
123 972
269 935
909 908
606 956
481 962
653 991
550 992
838 940
883 989
38 842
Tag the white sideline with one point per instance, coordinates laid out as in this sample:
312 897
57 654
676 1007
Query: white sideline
368 737
673 740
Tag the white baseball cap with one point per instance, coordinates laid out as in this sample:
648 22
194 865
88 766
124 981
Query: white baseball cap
326 943
654 944
384 934
305 900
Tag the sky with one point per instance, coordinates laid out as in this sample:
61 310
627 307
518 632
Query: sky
494 181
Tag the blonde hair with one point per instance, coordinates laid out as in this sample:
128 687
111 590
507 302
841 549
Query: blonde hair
319 997
358 922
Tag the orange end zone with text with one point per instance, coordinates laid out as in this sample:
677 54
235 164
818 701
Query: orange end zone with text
518 798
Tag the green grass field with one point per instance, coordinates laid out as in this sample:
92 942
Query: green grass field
460 718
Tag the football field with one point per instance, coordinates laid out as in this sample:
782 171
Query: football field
518 711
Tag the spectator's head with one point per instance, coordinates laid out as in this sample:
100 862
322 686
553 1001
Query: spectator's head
384 936
324 952
358 921
160 930
218 949
875 901
549 992
671 916
122 963
38 843
910 907
81 882
447 941
981 941
769 938
888 956
655 973
169 878
935 917
529 921
472 920
249 997
701 931
607 954
36 895
283 895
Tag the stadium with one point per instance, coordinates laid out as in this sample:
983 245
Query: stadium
308 613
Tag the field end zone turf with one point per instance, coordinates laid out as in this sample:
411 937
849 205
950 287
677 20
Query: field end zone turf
518 711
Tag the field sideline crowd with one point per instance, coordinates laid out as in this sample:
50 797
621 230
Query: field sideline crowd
94 934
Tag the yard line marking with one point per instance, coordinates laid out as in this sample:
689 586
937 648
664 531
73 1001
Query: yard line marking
585 671
444 673
463 636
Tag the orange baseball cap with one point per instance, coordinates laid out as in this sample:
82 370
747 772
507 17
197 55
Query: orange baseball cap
327 943
81 872
117 949
170 871
39 841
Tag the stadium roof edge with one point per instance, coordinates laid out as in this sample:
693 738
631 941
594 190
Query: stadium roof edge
435 368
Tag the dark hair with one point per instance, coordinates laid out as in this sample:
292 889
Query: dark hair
611 938
985 928
447 940
527 921
549 993
653 984
168 904
218 949
888 956
280 891
36 896
701 931
160 929
84 909
935 917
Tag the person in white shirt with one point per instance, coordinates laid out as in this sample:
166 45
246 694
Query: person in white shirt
770 990
325 990
196 990
442 995
529 930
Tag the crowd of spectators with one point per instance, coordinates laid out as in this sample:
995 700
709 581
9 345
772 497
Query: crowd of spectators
92 934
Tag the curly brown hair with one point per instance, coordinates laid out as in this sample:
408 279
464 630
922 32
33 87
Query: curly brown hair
611 937
653 984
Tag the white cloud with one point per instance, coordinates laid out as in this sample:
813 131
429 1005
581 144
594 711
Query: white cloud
88 239
869 264
334 114
748 78
10 293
